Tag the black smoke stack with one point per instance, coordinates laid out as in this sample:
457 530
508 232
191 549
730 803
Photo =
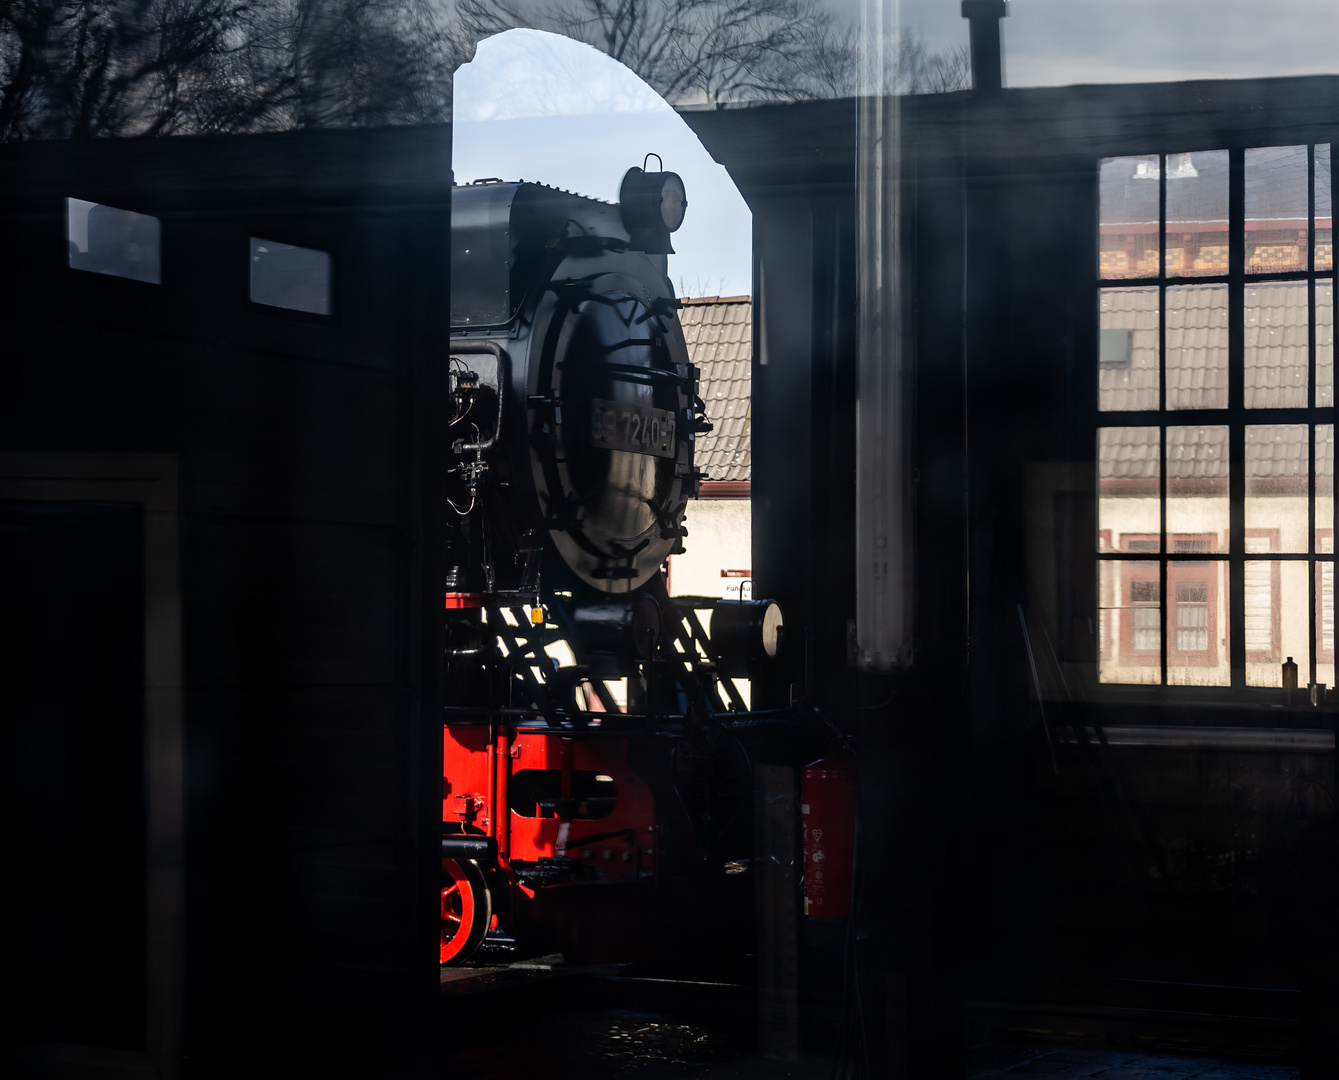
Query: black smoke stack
984 17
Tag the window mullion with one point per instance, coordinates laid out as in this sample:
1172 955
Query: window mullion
1236 400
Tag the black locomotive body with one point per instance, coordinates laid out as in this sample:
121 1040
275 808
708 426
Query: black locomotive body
577 404
590 719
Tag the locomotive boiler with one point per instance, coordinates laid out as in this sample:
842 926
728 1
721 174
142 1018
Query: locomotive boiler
590 718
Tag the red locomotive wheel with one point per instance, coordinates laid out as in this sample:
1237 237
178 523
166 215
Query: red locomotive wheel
467 910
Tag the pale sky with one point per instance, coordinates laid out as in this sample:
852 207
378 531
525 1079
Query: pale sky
572 117
541 107
1066 42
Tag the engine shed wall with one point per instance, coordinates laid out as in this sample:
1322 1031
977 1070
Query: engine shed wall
304 450
979 852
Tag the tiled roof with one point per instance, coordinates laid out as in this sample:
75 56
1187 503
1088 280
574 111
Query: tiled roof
1196 189
1197 347
1196 452
1276 183
1129 453
719 332
1276 451
1135 384
1197 186
1276 337
1197 341
1273 451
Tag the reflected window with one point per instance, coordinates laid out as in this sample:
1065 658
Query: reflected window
286 276
106 240
1195 240
1195 492
1129 217
1277 233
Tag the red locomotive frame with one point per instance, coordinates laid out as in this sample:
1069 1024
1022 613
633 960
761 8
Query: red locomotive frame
481 766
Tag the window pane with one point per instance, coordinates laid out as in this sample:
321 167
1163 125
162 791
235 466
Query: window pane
1130 622
1325 623
285 276
1277 462
1197 489
1276 209
1197 233
104 240
1324 488
1197 626
1276 346
1276 621
1324 213
1129 517
1197 347
1127 354
1324 344
1128 229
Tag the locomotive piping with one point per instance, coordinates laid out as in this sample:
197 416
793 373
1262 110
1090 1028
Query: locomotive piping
474 346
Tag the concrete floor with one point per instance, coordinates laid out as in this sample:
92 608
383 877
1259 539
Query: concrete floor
540 1018
992 1061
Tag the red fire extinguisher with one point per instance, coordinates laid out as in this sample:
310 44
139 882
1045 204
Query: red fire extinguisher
827 809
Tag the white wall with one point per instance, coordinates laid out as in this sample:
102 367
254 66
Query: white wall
720 537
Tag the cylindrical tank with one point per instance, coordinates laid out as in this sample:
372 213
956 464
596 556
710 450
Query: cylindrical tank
747 628
827 808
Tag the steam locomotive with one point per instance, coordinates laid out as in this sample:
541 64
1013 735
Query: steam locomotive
591 727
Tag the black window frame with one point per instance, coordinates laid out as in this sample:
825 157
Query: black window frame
1235 416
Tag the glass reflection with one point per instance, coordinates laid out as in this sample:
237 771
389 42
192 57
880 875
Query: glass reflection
1324 344
286 276
1127 355
1276 209
1276 602
1198 652
1324 488
1277 463
1197 231
1325 623
1276 346
119 243
1128 508
1130 622
1128 218
1198 514
1197 347
1324 213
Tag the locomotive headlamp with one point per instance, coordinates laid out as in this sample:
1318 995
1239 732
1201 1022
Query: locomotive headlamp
653 206
673 201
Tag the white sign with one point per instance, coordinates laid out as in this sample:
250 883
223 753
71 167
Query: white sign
736 584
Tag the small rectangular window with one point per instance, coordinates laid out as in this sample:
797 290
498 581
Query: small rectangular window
105 240
285 276
1115 348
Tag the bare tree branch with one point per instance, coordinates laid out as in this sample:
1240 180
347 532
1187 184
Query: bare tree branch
90 68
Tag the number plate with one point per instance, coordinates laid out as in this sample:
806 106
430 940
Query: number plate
618 426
